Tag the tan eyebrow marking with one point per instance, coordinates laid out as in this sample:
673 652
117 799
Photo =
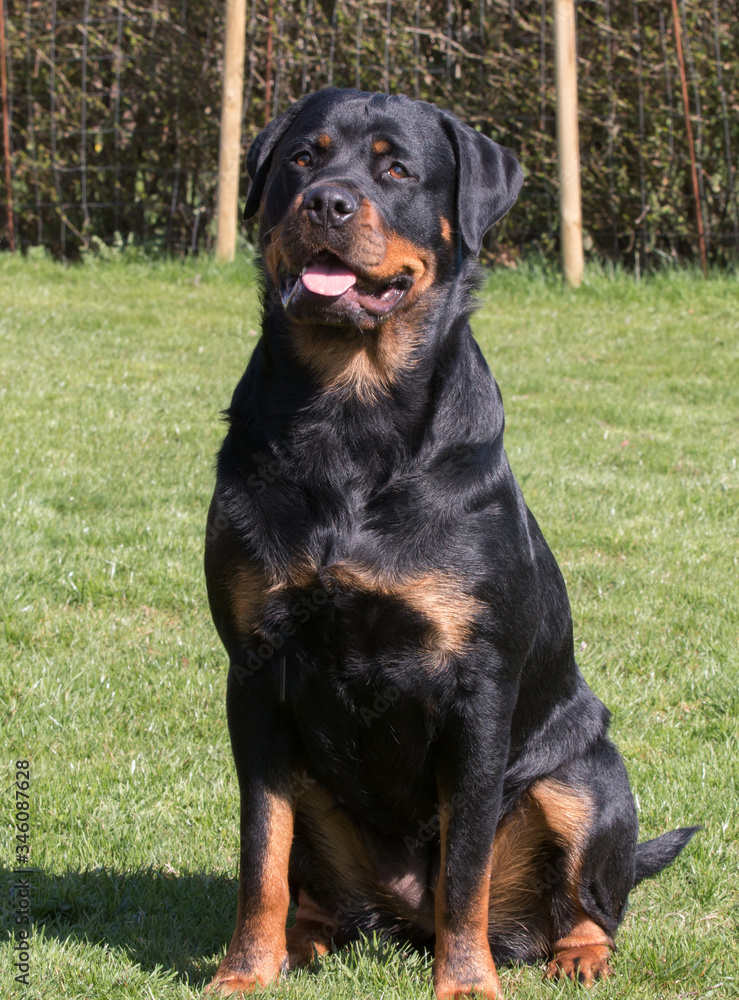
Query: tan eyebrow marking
381 146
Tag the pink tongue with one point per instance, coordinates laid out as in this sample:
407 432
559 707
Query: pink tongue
328 278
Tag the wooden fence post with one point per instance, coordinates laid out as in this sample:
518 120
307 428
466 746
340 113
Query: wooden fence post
568 143
229 159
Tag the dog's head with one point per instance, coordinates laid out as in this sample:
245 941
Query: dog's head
368 201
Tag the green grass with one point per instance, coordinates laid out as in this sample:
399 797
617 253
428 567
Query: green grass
622 413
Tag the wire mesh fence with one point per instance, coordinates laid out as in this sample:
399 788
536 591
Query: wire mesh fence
114 110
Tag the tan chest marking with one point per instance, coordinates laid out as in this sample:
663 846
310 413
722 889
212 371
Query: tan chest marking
437 597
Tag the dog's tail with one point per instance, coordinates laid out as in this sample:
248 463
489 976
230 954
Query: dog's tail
654 855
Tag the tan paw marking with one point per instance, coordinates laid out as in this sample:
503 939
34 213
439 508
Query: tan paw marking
584 965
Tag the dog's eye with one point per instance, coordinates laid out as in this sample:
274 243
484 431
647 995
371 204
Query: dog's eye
398 171
303 159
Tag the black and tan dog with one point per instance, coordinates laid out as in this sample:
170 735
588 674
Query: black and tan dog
417 751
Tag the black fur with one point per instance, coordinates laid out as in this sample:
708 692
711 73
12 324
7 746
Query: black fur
409 716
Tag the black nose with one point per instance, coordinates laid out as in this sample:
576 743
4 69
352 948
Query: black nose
330 206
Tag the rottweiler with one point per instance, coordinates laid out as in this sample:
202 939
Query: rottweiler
417 752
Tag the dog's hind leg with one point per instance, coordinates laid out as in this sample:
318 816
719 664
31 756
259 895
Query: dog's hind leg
588 806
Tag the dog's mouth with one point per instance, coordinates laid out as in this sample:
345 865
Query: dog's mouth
329 278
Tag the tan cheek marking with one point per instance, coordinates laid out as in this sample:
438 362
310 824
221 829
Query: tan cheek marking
446 229
324 140
368 238
381 146
400 256
404 257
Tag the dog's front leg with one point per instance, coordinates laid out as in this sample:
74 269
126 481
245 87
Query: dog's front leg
470 777
258 951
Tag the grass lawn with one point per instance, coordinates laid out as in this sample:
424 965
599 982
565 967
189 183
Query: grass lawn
622 407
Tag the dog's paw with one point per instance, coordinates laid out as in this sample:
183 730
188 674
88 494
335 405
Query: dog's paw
228 982
305 945
312 934
485 987
457 991
584 965
226 986
464 967
461 990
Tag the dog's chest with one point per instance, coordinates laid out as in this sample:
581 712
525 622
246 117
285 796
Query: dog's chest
364 655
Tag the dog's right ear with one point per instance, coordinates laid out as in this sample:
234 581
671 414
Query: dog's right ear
259 157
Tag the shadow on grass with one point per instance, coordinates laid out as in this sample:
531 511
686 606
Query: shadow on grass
178 922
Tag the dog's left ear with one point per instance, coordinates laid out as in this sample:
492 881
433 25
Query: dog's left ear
259 157
489 178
